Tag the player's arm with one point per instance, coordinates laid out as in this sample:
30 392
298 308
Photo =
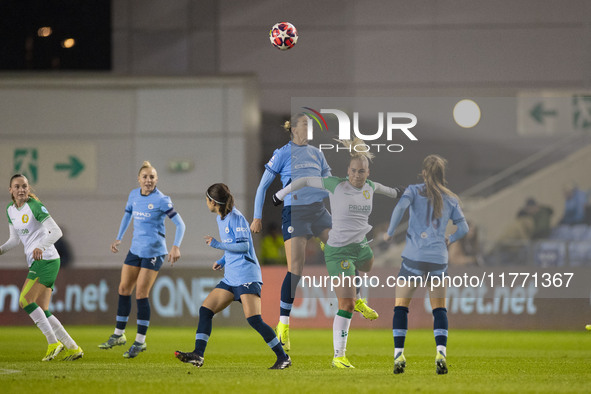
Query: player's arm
259 199
122 229
53 234
397 214
234 247
461 231
394 192
218 265
175 251
13 240
310 181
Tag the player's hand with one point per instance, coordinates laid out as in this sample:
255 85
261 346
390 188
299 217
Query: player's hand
387 238
447 241
174 255
216 266
256 226
208 239
37 254
114 245
276 200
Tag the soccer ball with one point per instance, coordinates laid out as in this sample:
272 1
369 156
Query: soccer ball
283 36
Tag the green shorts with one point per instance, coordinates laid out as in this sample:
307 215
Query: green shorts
45 270
342 259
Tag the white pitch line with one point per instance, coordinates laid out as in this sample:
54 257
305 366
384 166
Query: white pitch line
4 371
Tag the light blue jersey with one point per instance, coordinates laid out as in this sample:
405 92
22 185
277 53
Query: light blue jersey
240 262
425 237
148 213
293 161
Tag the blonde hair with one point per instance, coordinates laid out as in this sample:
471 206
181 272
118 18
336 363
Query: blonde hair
31 194
435 183
351 144
145 164
293 122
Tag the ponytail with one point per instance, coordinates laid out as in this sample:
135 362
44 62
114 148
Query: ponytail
435 182
220 194
145 164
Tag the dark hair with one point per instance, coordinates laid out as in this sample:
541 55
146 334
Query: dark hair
220 194
293 122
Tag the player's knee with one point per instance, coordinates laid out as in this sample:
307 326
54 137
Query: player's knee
124 291
22 301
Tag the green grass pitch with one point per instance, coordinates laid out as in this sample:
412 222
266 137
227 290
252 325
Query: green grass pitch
237 360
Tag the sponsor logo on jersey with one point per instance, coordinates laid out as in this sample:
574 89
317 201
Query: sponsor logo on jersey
306 165
366 194
359 208
44 210
150 206
141 215
169 205
25 218
241 229
23 231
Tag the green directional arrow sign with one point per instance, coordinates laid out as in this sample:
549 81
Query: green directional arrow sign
75 167
538 113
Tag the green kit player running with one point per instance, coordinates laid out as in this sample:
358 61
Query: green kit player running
29 222
351 203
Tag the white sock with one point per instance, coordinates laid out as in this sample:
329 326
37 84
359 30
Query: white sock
140 338
119 331
41 321
284 319
340 332
61 333
442 349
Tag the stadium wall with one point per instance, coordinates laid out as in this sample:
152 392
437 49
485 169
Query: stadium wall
195 131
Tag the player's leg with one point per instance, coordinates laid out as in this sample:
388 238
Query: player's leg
295 252
251 304
440 327
145 281
39 282
404 295
30 292
342 321
364 264
216 301
72 351
129 274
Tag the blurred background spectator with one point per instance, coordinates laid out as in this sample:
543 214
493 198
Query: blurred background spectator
272 249
575 204
467 251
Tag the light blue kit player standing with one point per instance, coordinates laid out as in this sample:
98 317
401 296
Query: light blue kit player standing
432 206
148 207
